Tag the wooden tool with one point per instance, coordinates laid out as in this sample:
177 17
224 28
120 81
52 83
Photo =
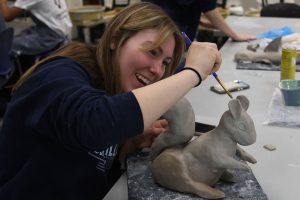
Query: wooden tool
222 85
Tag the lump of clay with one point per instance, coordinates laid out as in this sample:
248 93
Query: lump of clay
196 166
268 57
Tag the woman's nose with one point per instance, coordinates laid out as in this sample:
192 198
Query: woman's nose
157 68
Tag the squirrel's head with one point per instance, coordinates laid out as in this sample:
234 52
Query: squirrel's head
238 121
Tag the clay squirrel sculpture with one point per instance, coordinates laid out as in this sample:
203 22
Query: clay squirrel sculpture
194 167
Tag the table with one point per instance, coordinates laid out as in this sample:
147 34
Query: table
87 25
278 172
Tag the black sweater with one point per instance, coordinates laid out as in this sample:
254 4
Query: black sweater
60 135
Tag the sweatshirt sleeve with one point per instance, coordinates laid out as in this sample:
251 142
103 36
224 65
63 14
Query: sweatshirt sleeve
66 108
25 4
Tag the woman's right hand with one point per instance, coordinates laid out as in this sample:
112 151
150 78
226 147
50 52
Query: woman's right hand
203 57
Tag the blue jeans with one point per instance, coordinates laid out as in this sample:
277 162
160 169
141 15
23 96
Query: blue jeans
36 40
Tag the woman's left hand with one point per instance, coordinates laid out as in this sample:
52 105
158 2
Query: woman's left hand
143 140
146 139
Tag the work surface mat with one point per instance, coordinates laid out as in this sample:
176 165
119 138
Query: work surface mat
260 66
141 186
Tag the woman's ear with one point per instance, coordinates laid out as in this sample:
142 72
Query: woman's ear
112 45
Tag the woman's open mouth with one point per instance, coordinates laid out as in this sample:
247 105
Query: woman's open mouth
142 79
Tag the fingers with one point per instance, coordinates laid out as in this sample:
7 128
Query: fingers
161 123
160 126
215 53
203 57
157 131
243 37
218 62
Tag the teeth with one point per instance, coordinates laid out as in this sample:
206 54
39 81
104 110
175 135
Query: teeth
143 79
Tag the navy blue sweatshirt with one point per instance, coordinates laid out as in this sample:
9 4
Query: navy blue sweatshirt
60 135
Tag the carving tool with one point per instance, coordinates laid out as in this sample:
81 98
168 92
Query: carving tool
222 84
189 42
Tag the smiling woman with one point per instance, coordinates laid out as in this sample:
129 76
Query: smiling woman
70 112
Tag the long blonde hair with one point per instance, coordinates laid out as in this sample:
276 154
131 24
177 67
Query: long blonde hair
104 62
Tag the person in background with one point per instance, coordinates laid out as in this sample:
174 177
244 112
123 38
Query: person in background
187 13
52 24
75 112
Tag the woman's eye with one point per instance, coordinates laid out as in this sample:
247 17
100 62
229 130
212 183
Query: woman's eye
166 64
153 52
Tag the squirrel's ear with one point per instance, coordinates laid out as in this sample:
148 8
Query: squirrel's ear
244 101
235 108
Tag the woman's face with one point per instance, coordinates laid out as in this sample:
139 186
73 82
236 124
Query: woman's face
140 68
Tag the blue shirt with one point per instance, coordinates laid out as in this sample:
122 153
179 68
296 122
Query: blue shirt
60 134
